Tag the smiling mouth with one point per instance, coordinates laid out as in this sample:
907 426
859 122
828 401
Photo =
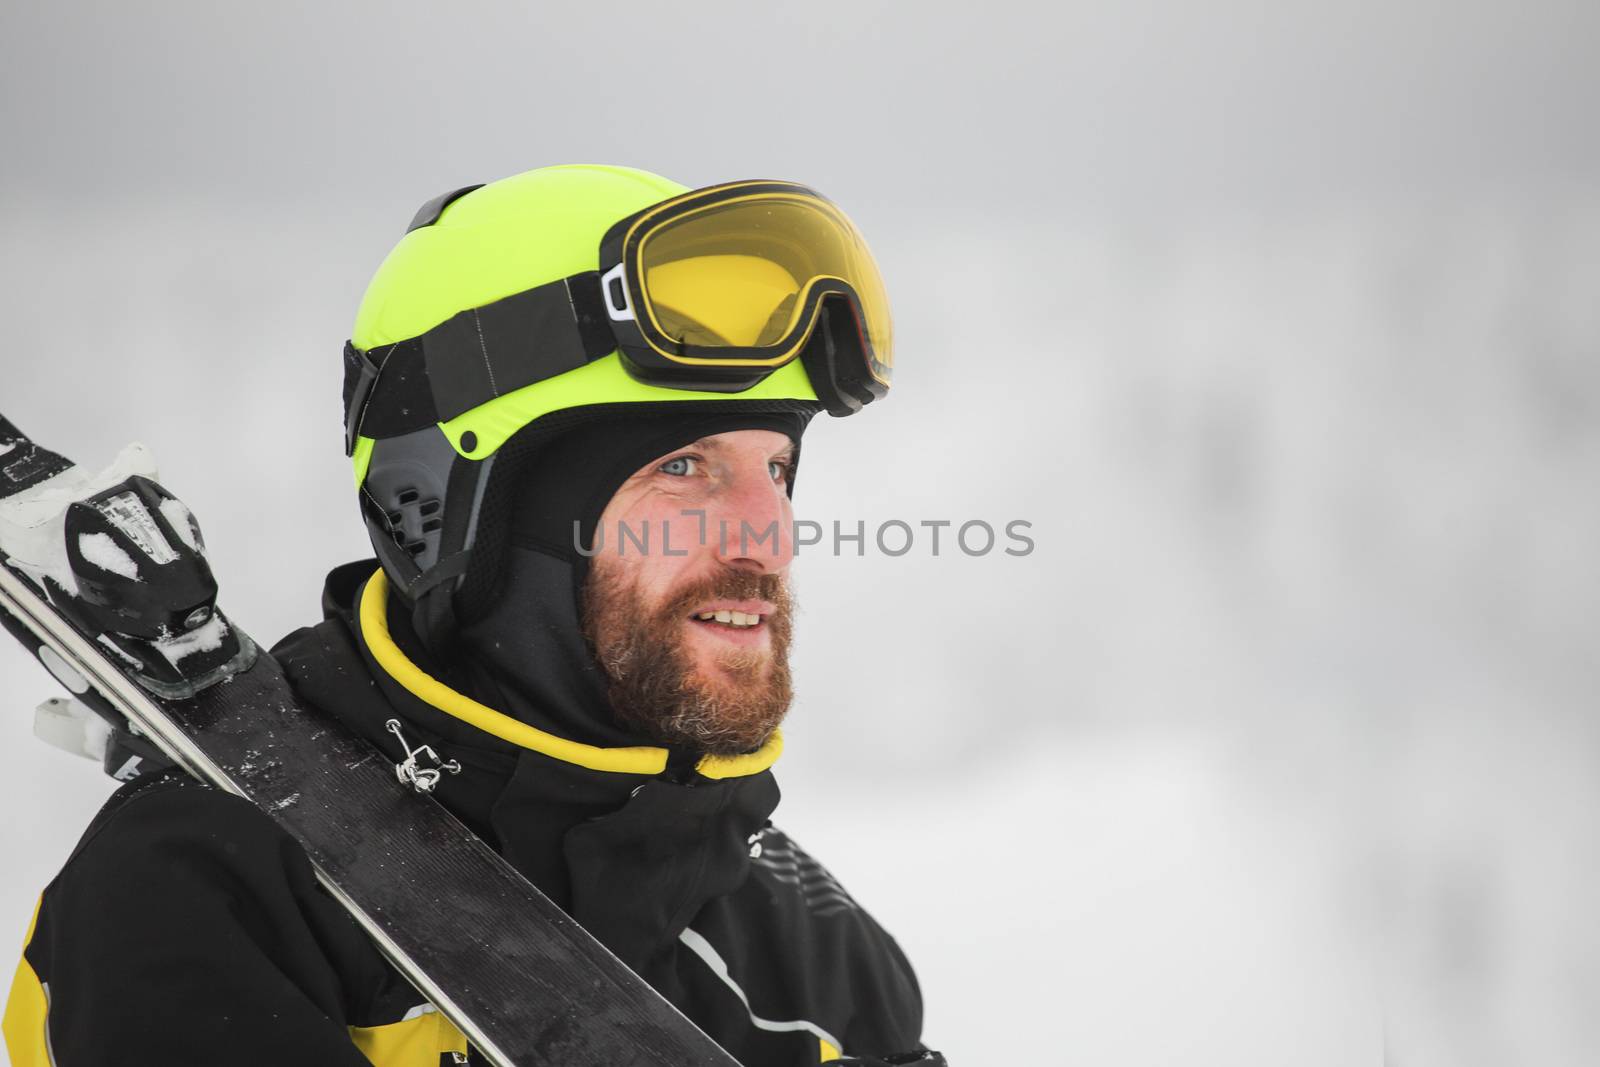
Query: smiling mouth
734 620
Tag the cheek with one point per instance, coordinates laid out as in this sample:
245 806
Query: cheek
651 570
644 575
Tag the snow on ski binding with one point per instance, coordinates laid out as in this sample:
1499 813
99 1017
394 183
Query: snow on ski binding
123 559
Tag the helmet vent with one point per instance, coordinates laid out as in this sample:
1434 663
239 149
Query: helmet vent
404 498
414 522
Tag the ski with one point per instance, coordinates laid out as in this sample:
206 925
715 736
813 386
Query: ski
103 577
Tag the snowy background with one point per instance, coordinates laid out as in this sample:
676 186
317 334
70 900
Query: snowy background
1278 322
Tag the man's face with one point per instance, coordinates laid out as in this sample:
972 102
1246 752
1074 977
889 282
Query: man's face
692 629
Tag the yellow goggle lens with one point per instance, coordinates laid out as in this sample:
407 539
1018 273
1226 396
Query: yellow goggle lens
736 274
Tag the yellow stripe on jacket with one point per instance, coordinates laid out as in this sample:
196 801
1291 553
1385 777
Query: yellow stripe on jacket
27 1013
419 1040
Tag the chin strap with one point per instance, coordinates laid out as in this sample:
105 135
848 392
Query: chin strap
434 622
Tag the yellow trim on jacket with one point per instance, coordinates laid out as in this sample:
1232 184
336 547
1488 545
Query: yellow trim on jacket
643 759
420 1040
27 1012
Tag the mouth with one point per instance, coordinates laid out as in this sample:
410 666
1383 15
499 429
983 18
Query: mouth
745 624
739 620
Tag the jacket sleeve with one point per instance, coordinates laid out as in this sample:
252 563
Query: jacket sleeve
186 928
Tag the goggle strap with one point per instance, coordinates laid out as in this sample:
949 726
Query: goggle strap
391 384
474 357
589 314
360 374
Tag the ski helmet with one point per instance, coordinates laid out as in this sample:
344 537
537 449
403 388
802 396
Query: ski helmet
513 311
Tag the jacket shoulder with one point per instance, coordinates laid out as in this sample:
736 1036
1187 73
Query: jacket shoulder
187 919
155 812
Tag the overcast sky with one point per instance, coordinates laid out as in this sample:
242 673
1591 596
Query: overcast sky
904 108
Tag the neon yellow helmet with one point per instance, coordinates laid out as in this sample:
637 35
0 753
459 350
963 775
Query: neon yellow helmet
495 319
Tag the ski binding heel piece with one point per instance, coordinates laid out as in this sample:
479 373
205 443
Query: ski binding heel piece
68 724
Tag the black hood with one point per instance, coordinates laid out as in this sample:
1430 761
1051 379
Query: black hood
632 855
516 640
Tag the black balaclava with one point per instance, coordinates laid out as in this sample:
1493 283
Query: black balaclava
520 647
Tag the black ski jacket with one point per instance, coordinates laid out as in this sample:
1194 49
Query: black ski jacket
187 928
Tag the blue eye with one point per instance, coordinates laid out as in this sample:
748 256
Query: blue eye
678 465
779 469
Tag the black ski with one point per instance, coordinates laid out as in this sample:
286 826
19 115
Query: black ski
124 615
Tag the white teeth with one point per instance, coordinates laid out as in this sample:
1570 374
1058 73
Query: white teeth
730 618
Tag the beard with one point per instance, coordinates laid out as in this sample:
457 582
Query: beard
655 685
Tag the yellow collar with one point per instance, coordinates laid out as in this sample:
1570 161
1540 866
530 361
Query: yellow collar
643 759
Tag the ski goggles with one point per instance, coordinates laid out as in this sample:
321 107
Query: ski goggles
719 287
710 293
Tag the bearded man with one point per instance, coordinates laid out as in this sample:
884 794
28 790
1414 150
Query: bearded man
574 401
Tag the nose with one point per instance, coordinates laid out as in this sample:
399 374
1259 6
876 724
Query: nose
754 529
